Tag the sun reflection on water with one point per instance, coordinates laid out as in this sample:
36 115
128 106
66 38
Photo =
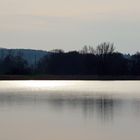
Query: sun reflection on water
43 84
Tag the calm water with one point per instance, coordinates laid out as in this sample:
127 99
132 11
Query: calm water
69 110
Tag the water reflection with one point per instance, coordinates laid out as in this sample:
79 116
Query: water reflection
101 107
70 110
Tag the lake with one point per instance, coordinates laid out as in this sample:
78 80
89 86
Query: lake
69 110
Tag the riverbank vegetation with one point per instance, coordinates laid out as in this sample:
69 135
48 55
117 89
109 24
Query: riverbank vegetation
99 61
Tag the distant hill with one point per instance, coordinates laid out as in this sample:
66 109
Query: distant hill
30 55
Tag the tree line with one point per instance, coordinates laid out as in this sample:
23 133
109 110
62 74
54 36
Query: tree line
102 60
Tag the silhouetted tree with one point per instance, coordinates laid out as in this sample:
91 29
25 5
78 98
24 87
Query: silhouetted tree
89 61
105 48
14 65
136 64
88 49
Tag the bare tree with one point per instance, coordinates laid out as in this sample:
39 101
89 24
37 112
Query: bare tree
88 49
105 48
84 50
91 50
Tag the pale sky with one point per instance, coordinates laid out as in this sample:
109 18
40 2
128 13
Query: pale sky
70 24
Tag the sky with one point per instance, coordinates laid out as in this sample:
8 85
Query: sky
70 24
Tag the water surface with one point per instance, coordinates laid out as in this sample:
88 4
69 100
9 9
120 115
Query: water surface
69 110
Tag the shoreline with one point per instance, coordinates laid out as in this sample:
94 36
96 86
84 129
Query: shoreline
69 77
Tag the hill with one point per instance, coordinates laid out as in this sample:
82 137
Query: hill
30 55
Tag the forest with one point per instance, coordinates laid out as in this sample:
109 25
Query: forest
102 60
